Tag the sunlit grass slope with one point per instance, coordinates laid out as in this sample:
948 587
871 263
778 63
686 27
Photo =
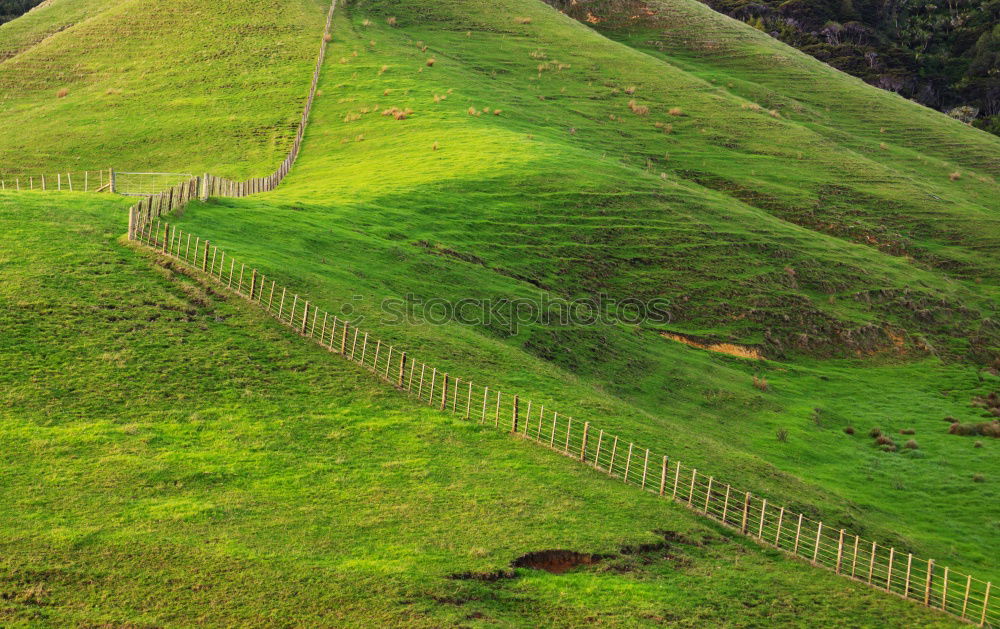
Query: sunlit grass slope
156 85
175 459
571 192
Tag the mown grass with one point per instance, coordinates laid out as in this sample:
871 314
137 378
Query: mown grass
174 458
552 196
177 86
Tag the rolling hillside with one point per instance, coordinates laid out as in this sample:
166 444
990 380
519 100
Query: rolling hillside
175 458
502 151
88 84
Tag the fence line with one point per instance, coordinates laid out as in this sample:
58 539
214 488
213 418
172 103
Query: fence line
865 561
80 181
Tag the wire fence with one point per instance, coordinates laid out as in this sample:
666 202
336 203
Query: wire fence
847 554
79 181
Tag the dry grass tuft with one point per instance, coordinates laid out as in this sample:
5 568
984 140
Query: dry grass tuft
63 93
382 70
675 111
431 62
523 20
874 433
849 430
434 147
630 90
343 59
473 112
366 23
907 431
360 138
774 113
538 55
955 176
497 112
637 109
351 117
391 21
397 113
751 106
911 444
113 91
883 146
761 383
327 37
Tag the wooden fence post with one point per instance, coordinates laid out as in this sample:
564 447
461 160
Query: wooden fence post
514 415
131 223
569 432
112 179
888 574
583 446
968 590
840 551
906 583
986 604
677 479
597 457
645 468
708 494
663 477
854 557
166 231
777 536
468 403
402 367
819 533
628 462
944 590
343 338
444 400
927 585
694 476
763 510
746 513
871 562
253 288
798 534
725 505
614 450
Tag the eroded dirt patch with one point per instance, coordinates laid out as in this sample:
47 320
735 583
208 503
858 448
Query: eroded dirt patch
556 561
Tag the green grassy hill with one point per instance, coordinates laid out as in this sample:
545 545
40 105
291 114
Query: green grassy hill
776 204
174 458
164 85
569 193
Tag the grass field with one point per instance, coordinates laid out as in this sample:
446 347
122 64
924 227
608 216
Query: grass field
778 206
175 459
515 205
166 85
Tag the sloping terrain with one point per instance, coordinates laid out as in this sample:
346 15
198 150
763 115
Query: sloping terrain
492 150
568 193
155 85
174 459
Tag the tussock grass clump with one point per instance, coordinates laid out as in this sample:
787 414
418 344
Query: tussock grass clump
397 113
978 478
327 37
538 55
760 383
751 106
875 433
637 109
63 93
955 176
884 440
889 447
675 111
112 91
977 444
392 21
907 431
911 444
383 70
782 435
522 20
434 147
630 90
431 62
849 430
986 429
